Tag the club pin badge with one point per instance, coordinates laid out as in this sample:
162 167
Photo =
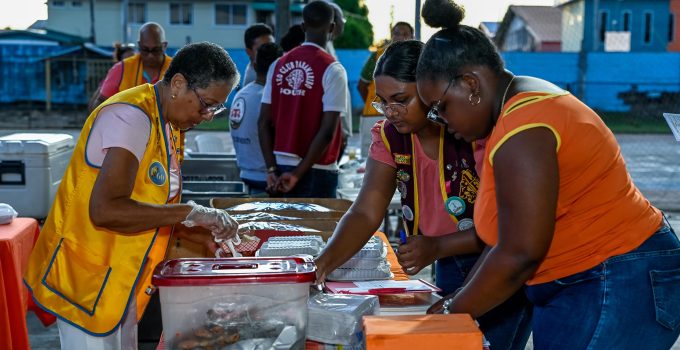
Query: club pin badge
465 224
401 187
407 213
403 176
455 205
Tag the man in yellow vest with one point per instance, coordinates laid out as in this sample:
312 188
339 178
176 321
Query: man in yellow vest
400 32
118 200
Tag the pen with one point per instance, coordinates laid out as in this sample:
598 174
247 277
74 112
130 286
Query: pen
402 236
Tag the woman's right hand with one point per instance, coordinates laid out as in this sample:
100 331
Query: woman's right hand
321 270
219 222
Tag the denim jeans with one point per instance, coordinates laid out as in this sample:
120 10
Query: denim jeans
316 183
507 326
630 301
255 187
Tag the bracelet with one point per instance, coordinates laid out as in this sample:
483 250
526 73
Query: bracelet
272 169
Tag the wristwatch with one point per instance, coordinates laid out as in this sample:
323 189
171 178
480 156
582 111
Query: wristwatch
446 305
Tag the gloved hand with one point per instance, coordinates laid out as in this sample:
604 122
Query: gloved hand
221 225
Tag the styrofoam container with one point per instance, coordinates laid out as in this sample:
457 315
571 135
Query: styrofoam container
260 298
31 168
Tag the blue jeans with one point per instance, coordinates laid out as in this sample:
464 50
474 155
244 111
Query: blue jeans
507 326
316 183
630 301
255 187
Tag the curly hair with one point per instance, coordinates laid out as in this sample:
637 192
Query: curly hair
201 64
455 45
266 54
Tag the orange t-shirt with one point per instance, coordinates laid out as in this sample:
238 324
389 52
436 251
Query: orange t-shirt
600 213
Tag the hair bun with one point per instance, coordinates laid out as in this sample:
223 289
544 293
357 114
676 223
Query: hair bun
442 13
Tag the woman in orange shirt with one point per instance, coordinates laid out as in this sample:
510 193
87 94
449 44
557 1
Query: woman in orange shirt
556 204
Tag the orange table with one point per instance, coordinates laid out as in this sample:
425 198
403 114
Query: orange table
16 243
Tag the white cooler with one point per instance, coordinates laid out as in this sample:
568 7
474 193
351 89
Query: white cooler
31 168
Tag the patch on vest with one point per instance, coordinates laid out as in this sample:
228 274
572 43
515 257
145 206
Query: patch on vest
298 76
238 109
403 159
157 173
469 184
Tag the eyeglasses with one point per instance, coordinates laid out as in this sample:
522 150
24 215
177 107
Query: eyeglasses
389 108
433 113
151 50
209 109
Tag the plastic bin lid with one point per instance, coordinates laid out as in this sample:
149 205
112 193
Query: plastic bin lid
35 143
215 271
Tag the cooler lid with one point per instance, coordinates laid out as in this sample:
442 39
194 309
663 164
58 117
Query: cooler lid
22 143
215 271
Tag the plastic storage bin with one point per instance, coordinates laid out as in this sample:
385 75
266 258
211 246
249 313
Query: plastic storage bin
31 168
251 301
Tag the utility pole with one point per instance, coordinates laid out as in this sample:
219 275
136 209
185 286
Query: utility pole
282 18
417 26
124 20
92 35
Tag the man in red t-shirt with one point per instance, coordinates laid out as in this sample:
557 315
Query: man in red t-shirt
299 123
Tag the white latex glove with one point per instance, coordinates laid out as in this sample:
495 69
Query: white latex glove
221 225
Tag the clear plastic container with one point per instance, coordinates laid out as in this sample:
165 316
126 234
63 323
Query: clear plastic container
217 302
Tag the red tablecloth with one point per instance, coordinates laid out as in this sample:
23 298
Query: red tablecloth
16 243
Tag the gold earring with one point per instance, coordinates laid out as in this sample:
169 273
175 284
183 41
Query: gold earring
477 95
173 96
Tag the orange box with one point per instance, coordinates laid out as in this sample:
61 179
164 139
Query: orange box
455 331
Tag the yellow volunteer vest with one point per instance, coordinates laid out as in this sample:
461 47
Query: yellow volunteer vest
369 111
86 274
133 75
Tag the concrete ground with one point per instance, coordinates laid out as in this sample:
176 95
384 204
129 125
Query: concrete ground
653 161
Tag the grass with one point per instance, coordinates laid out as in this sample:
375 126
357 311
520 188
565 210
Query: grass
626 123
219 123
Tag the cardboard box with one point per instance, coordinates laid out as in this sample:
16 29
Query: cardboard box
455 331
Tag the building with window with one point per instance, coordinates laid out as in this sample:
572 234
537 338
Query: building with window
218 21
530 28
619 25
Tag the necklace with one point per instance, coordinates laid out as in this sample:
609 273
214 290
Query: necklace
506 91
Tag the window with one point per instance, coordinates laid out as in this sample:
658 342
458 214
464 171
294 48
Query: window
181 13
671 27
231 14
58 3
77 3
626 21
603 25
648 28
136 13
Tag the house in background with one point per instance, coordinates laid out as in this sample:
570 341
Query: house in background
489 29
639 25
218 21
530 28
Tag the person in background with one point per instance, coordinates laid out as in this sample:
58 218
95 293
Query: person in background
299 125
438 186
256 35
400 31
117 203
147 66
346 115
245 111
293 38
122 51
556 205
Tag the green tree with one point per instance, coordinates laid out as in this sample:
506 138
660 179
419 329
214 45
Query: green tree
358 30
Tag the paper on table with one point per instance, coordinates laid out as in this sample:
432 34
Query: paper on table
381 287
673 121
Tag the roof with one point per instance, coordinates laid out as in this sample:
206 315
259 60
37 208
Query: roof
489 28
44 35
544 22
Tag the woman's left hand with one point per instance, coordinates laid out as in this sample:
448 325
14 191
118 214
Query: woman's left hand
417 253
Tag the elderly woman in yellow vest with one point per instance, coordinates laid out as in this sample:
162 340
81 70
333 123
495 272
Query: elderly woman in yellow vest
118 201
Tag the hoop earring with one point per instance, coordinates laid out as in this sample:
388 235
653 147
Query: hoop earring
477 95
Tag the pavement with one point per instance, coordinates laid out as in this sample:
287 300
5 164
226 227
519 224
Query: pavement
652 160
